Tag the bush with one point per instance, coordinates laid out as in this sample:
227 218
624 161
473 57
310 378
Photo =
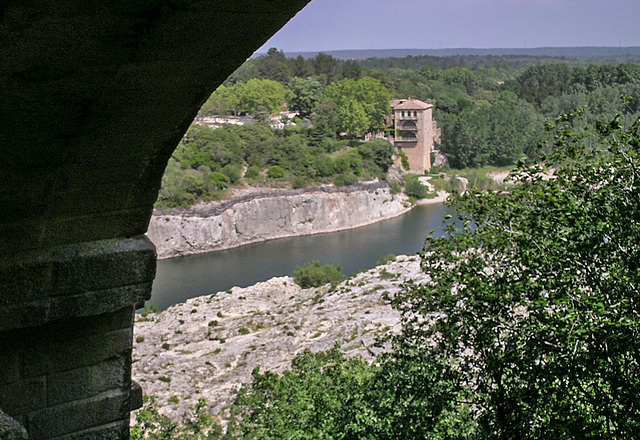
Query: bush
345 179
404 160
299 182
253 172
275 172
413 187
384 260
315 275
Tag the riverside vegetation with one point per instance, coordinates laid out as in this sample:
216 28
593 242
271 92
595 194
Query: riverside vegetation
491 111
524 322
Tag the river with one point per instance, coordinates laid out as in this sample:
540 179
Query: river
179 279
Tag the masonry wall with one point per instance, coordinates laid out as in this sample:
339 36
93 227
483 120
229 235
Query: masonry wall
94 97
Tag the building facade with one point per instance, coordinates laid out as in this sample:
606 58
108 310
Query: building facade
414 131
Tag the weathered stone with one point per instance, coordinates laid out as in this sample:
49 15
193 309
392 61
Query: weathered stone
80 352
205 229
111 431
94 98
209 345
24 395
87 382
75 280
10 429
79 415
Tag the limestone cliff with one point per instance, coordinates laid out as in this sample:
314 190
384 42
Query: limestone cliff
270 215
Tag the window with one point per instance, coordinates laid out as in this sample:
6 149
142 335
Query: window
409 136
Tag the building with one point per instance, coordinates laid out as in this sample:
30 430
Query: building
414 131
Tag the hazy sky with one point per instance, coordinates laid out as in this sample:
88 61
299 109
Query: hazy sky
432 24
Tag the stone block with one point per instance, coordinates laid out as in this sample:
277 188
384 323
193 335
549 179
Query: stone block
23 315
9 366
24 395
100 302
64 355
111 431
136 396
72 417
104 264
87 382
24 281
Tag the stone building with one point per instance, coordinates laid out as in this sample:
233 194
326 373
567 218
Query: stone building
414 131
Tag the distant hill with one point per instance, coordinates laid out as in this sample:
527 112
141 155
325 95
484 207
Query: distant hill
631 53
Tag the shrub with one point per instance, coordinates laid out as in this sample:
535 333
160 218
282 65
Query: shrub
315 274
384 260
404 160
299 182
275 172
413 187
253 172
345 179
140 339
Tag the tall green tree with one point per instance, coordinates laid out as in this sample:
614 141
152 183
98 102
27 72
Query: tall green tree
256 93
367 95
304 94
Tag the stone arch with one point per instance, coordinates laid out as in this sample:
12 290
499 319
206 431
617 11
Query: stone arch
94 98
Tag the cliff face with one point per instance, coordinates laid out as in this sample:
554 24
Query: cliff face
267 216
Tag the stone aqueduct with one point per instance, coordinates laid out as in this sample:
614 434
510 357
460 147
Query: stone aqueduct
95 95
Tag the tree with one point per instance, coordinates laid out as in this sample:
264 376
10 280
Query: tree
304 94
273 66
257 93
352 119
531 313
367 96
326 66
500 134
317 399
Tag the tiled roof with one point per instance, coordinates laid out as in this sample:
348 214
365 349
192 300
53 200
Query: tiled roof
409 104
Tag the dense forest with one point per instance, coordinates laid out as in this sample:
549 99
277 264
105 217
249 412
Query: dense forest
492 112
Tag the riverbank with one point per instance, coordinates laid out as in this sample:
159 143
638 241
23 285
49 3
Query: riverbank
207 346
268 215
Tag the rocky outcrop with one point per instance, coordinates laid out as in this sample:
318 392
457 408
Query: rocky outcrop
207 346
265 216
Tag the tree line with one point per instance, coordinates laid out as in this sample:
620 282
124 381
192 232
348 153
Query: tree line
491 110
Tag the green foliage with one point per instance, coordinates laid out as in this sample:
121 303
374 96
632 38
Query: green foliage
345 179
527 329
536 319
253 172
384 260
304 94
198 425
413 187
404 160
317 399
499 135
314 274
275 172
362 105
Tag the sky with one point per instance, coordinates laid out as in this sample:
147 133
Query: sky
325 25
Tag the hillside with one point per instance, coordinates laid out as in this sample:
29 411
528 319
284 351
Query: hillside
628 53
